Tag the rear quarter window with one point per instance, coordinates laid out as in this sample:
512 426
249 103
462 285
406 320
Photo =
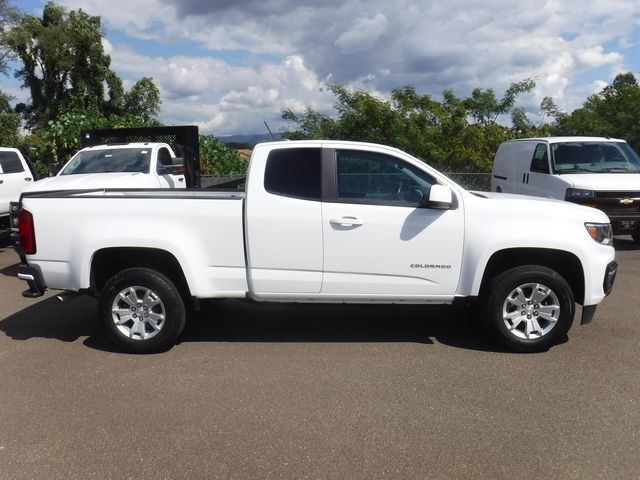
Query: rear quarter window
294 172
10 163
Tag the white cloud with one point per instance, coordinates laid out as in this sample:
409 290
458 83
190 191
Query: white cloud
595 57
222 98
251 98
431 44
363 34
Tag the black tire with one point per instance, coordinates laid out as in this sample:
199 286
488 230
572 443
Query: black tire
542 318
160 315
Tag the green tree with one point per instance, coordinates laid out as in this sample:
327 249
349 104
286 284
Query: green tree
143 101
614 112
116 95
9 123
218 159
66 71
63 62
310 125
61 137
453 134
484 107
9 15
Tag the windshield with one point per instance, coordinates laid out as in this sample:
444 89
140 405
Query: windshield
109 160
594 157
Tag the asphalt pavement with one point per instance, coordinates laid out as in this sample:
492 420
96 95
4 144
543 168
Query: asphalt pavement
317 392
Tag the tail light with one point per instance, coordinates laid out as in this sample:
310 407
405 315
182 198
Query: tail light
27 232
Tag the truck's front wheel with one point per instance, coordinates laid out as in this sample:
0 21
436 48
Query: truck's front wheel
142 310
528 308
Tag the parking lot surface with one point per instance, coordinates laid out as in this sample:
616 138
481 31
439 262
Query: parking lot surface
317 392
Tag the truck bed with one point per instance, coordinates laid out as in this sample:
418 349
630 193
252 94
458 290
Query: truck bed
202 229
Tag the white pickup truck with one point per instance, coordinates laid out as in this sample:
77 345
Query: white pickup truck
15 176
320 221
129 165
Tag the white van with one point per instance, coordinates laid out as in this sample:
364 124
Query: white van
599 172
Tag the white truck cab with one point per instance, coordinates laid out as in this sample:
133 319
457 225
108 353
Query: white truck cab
15 175
594 171
130 165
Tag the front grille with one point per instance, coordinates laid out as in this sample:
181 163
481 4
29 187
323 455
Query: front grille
622 194
621 209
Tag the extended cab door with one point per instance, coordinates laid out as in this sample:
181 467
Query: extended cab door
283 221
378 241
14 176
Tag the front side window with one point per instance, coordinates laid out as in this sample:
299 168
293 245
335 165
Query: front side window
540 161
109 160
373 178
10 163
294 172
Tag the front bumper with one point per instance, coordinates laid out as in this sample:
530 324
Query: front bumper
624 225
588 311
609 277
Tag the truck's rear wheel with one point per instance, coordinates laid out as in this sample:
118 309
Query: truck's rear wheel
142 310
528 308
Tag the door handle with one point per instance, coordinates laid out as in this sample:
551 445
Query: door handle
28 179
1 181
346 221
181 179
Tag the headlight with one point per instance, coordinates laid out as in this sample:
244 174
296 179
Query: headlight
600 232
578 194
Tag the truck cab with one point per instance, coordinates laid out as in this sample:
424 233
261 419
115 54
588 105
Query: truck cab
130 165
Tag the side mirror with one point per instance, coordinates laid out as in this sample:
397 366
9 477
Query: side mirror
440 197
175 168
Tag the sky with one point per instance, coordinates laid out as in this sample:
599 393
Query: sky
229 65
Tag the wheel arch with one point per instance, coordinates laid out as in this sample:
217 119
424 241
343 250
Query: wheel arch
565 263
109 261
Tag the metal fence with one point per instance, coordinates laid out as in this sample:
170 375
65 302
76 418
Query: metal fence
472 181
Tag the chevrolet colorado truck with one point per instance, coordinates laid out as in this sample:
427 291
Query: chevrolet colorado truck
320 221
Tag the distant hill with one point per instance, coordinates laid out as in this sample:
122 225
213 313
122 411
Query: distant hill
249 139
